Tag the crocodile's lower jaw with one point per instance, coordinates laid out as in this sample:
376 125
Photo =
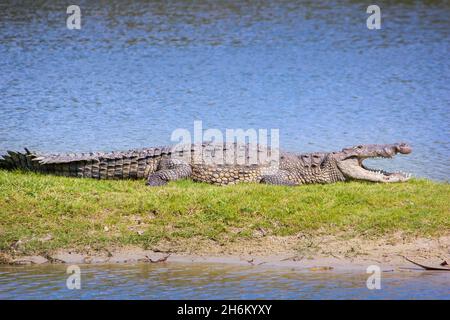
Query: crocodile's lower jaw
398 176
354 169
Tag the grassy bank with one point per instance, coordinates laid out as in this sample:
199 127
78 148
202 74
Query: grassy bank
42 213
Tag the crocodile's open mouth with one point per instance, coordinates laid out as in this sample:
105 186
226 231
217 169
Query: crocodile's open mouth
352 163
400 175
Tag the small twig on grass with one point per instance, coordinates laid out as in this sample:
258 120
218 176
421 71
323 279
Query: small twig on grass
294 258
163 259
428 267
52 260
251 261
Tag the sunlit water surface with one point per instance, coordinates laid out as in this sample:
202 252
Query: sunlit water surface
214 281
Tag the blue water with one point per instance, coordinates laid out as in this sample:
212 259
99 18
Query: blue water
215 281
138 70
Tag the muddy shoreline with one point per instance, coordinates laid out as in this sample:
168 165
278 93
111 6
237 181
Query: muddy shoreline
314 253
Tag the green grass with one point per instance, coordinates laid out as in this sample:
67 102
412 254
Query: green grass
84 213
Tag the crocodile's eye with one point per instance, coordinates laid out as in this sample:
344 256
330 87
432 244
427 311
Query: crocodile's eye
359 147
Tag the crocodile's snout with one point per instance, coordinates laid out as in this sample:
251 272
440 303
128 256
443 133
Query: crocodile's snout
375 150
403 148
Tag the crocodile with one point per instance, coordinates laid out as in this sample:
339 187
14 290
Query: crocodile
160 165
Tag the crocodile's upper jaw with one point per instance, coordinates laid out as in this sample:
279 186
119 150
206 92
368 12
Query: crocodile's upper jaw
350 162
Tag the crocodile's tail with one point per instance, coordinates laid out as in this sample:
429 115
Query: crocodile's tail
134 164
16 160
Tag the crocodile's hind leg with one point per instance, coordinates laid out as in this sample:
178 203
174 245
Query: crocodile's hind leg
279 178
169 170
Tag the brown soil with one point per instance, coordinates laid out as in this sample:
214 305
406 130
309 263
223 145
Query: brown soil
302 251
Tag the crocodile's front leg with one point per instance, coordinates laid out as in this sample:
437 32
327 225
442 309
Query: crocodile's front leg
279 178
169 170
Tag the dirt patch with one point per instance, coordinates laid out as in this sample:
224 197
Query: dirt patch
313 252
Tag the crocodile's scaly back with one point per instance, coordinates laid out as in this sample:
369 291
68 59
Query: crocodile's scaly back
133 164
315 167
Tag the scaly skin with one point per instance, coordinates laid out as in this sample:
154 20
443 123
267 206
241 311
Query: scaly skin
217 164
